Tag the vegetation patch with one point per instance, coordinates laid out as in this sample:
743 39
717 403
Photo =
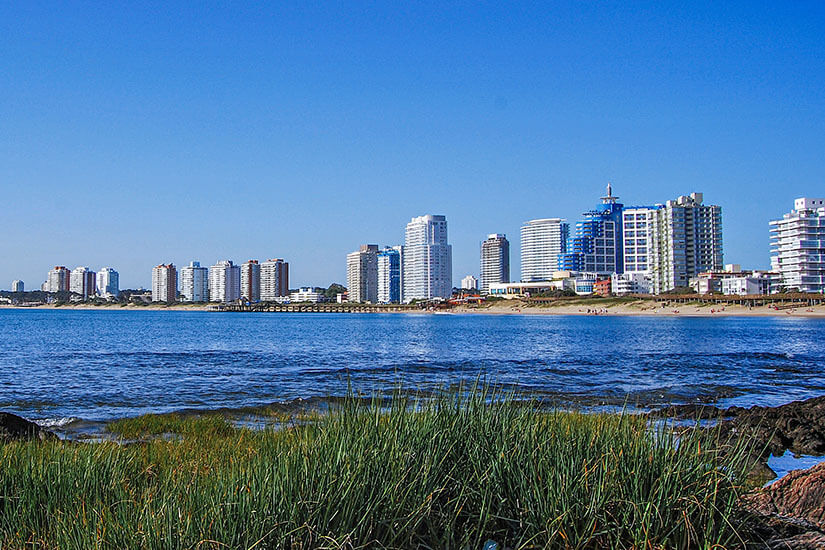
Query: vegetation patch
452 472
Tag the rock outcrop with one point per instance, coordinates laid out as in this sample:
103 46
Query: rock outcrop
799 496
798 426
15 428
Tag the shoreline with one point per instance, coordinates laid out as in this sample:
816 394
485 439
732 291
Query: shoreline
599 307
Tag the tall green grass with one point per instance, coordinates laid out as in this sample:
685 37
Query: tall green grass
453 472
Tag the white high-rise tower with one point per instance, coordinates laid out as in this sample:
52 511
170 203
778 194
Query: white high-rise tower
428 259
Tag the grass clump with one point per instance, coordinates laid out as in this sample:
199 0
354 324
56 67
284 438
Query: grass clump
453 472
159 424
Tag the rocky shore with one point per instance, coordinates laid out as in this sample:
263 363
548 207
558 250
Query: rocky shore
790 512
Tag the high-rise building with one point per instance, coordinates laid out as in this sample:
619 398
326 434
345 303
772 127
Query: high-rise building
251 281
274 280
194 283
362 274
390 275
639 231
82 281
58 279
224 282
17 286
495 261
542 241
596 244
428 259
798 246
108 282
165 283
686 240
469 283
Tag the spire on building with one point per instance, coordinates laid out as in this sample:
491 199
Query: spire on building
609 199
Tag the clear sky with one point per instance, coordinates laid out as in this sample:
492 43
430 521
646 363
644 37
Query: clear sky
132 136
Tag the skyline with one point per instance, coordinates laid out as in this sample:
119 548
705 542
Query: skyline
134 137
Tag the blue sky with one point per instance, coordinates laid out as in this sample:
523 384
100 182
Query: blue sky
135 135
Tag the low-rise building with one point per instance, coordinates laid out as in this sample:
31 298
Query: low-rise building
602 287
469 283
630 283
306 294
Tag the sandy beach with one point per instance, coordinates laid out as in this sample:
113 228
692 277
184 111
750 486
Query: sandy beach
585 306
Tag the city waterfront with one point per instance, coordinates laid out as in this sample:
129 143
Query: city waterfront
101 365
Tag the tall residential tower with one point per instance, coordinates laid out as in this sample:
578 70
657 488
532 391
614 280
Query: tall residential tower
495 261
165 283
798 246
542 241
362 274
428 259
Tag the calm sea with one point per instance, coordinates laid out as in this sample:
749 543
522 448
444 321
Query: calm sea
100 365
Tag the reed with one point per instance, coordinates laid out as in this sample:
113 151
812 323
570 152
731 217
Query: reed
451 472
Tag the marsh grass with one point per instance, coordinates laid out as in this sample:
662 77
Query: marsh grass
452 472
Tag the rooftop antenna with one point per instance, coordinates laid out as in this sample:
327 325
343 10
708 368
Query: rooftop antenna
609 199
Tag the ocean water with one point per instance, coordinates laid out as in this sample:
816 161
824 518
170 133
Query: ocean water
62 365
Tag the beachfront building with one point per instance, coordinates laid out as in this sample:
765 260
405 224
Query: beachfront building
542 241
165 283
672 243
428 259
362 274
390 275
82 281
194 283
469 283
685 240
274 280
17 286
306 294
596 244
495 261
251 281
108 283
58 279
224 282
798 246
626 283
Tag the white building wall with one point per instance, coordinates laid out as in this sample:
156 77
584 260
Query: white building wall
542 241
428 268
194 283
798 246
224 282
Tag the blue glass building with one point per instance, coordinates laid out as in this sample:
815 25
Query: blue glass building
596 244
390 271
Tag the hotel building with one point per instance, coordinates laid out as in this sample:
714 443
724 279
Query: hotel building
194 283
495 261
542 241
224 282
165 283
274 280
17 286
428 259
251 281
798 246
596 246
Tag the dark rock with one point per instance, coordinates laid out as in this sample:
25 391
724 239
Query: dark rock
798 426
15 428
